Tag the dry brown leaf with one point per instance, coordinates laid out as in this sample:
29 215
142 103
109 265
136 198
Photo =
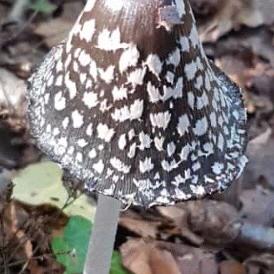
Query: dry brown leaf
145 258
192 260
188 265
256 13
179 216
236 66
12 92
71 10
209 266
196 260
162 262
6 188
143 228
222 22
176 214
232 267
206 7
212 219
233 14
49 266
265 263
263 212
54 31
255 46
253 269
261 79
25 233
3 13
13 235
261 161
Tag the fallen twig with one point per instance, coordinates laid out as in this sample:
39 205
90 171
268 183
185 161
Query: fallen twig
17 12
220 223
258 236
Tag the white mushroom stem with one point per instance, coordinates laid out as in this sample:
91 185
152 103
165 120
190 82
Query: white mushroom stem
103 236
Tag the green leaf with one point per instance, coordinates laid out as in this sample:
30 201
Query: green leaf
71 248
116 264
42 183
43 6
62 251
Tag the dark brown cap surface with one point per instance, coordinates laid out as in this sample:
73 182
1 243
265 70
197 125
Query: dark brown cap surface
131 106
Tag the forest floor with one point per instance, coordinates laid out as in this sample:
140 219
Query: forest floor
232 233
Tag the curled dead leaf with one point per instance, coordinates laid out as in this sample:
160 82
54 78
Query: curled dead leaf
141 257
229 267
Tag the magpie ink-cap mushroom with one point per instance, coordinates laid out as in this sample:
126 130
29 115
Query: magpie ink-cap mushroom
130 105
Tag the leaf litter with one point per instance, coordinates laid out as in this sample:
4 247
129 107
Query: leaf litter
228 234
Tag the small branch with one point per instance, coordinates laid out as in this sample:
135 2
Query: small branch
258 236
219 223
17 12
6 187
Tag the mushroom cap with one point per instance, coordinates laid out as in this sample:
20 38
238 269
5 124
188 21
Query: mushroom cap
130 105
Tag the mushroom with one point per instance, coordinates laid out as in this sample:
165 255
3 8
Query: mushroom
130 105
